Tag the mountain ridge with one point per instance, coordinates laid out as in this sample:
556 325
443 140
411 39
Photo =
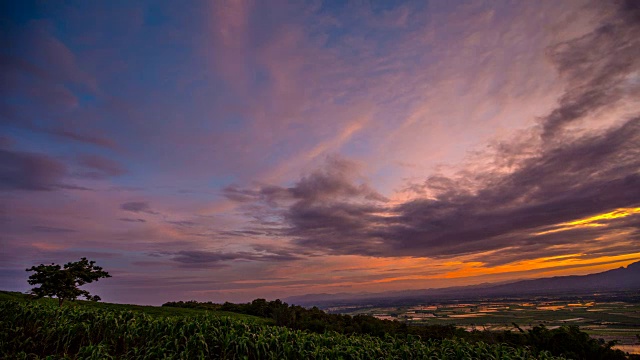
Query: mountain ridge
619 279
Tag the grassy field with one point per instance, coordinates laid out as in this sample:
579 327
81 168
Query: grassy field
81 330
149 310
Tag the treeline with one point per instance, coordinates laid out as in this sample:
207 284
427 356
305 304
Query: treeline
566 341
300 318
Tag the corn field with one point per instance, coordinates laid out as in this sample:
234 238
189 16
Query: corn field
36 331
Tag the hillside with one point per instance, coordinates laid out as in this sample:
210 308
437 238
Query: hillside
38 330
81 329
148 310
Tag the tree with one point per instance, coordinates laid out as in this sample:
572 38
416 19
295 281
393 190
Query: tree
63 283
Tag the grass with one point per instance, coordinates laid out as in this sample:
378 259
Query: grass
41 330
149 310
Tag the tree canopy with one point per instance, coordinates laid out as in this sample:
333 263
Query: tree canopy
63 282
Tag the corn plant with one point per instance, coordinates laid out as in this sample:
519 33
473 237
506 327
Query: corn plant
37 331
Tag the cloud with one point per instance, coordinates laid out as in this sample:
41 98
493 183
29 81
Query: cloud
6 142
132 220
183 223
533 182
230 32
324 207
50 229
589 176
98 167
137 207
334 180
30 171
84 138
213 259
46 87
47 50
596 67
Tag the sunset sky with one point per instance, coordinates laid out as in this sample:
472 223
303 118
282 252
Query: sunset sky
229 150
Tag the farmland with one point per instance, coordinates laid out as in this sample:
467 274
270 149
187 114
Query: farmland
607 320
33 330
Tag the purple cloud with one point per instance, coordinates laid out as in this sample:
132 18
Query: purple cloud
137 207
30 171
98 167
476 211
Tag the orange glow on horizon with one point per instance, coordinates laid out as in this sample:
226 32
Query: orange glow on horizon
476 269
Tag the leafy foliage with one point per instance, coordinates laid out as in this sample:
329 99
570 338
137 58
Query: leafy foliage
34 331
63 283
567 341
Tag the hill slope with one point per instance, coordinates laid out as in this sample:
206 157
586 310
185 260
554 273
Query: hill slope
149 310
40 330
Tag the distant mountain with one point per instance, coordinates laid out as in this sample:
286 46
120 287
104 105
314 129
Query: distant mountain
612 280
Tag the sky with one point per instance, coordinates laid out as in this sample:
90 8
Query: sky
232 150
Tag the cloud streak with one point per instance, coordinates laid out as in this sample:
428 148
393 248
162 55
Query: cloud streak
30 171
138 207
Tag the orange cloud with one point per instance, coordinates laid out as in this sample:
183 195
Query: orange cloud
592 221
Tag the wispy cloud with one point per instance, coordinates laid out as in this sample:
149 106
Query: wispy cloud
30 171
528 184
137 207
100 167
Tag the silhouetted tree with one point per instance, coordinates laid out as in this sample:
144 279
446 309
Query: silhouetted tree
63 282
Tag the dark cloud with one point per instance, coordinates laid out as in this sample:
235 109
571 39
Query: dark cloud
335 180
243 233
204 258
137 207
98 167
553 177
327 206
338 227
132 220
5 142
596 68
235 193
42 82
83 138
50 229
30 171
74 187
182 223
11 64
589 176
212 259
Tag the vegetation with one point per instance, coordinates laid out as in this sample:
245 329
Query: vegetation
63 283
566 341
33 330
148 310
36 328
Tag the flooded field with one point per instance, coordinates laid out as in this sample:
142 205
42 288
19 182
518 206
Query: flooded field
608 321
